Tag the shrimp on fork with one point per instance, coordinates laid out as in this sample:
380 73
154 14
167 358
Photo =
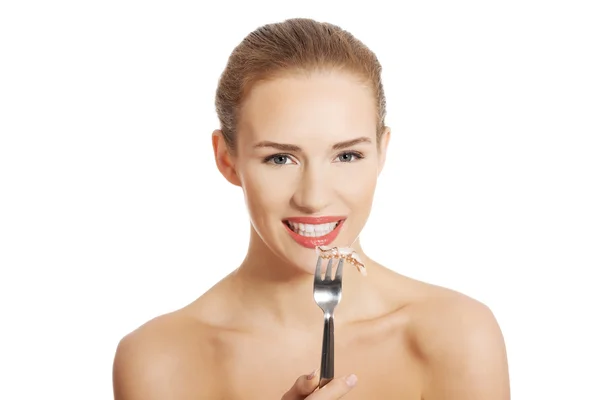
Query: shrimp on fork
345 253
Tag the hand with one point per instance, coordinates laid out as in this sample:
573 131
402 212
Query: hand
305 386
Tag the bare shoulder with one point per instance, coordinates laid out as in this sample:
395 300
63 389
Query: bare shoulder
159 359
461 346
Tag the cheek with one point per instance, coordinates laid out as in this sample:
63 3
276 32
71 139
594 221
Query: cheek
357 185
263 197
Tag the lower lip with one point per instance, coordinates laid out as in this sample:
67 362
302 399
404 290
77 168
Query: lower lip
312 242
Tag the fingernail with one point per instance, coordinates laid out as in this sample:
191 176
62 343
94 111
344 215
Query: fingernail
312 374
351 380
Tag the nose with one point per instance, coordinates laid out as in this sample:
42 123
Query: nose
313 192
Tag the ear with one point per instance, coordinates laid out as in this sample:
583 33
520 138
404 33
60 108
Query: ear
383 146
223 158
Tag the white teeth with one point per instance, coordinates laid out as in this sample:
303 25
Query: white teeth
310 230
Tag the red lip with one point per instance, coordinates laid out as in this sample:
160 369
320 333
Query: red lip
312 242
314 220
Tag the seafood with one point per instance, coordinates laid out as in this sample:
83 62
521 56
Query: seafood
346 253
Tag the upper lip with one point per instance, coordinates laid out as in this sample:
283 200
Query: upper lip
314 220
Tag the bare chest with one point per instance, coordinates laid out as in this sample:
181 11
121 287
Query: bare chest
259 367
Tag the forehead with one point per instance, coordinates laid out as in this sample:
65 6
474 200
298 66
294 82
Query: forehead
316 108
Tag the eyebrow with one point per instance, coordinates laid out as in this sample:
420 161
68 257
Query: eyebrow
293 147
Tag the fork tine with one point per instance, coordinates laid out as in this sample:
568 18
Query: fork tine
339 270
318 270
328 271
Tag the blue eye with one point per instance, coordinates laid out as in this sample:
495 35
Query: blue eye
349 156
277 159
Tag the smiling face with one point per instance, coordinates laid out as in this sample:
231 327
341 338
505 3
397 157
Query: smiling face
307 159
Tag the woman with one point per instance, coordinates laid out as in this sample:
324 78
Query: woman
302 111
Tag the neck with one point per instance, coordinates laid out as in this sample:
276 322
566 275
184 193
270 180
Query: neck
281 294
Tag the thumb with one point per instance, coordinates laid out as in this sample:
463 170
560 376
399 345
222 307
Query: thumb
304 385
336 389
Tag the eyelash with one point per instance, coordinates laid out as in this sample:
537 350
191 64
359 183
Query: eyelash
355 154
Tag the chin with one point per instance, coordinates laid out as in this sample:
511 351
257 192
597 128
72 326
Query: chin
299 258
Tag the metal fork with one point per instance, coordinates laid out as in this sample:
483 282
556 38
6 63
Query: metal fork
328 293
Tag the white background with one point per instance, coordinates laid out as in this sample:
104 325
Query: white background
112 211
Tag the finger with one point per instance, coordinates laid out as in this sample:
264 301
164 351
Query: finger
304 385
336 389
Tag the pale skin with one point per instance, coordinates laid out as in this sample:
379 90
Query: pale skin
257 333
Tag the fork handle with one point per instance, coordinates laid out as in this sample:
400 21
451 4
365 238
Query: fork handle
327 354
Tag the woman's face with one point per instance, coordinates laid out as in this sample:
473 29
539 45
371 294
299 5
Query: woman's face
308 163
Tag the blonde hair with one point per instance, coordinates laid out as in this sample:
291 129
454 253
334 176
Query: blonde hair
294 45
